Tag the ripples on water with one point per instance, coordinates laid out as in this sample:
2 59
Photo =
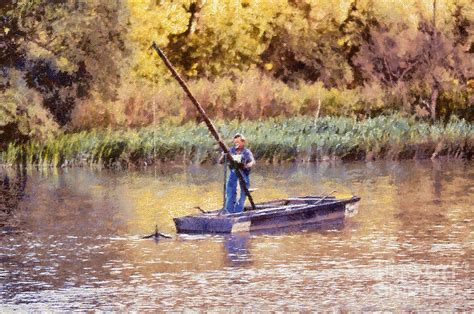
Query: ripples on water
71 240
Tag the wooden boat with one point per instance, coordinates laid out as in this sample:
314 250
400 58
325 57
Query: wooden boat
297 211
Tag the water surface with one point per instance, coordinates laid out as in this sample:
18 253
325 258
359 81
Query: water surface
71 240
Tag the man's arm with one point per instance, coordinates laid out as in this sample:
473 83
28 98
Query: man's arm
251 163
231 162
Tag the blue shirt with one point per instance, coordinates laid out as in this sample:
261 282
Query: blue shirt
247 157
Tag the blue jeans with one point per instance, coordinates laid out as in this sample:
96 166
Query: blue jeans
231 203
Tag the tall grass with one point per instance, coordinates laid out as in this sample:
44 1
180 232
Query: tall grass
273 140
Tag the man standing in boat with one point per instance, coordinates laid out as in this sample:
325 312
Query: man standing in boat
243 160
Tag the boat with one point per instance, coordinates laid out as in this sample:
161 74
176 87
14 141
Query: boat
272 215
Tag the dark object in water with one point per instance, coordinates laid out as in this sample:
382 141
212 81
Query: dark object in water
297 211
157 235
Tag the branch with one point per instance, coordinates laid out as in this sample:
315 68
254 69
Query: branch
426 104
388 69
42 45
408 68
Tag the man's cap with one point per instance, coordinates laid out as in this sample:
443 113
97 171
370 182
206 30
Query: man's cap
239 135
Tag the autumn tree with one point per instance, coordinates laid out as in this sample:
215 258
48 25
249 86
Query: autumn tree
416 63
202 38
56 53
306 43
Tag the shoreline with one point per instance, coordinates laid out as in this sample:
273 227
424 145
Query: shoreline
273 141
171 168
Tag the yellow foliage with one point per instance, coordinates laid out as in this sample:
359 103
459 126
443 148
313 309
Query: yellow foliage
411 12
151 22
226 34
324 10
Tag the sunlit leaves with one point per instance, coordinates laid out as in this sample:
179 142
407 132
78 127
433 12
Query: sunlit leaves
151 22
216 38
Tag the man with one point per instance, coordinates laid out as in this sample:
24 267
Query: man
243 160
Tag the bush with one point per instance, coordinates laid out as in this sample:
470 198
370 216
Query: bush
277 139
22 116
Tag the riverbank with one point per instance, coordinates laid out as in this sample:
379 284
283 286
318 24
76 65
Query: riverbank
303 139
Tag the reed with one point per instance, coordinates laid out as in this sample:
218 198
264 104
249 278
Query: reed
300 138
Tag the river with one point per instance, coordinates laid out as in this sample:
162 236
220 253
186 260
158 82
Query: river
71 240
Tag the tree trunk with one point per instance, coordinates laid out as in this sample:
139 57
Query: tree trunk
318 108
435 90
194 11
434 101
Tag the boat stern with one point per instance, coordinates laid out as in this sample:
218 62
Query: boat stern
206 223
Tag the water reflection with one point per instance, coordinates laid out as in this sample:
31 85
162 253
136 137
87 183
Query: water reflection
12 190
409 247
237 249
12 187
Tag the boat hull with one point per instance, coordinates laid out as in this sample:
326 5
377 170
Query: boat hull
302 211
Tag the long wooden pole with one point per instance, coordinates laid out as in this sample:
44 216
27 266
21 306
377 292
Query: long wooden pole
225 181
208 122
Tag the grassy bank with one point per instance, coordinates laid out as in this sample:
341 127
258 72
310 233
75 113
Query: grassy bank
272 140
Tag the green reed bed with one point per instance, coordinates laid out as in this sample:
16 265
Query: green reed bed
272 140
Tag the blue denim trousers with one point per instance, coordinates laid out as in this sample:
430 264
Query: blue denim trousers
232 205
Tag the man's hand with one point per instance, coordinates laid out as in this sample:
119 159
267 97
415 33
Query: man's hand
236 165
249 165
221 158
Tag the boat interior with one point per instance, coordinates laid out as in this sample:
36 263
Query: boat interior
293 201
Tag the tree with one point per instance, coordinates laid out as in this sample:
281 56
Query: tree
202 38
306 43
418 64
355 31
63 50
